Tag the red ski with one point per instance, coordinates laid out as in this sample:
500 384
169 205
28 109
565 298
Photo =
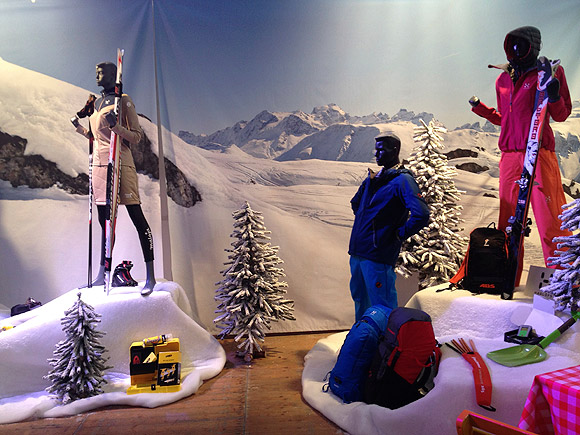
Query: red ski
113 177
520 223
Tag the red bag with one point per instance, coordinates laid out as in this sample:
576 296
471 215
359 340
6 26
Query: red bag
407 360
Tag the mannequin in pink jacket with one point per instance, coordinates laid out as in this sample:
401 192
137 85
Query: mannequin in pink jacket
515 90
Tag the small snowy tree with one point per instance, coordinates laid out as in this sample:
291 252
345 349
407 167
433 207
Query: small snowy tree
565 282
251 295
78 362
437 250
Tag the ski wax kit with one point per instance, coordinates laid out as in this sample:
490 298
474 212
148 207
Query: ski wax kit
155 365
346 379
406 362
484 268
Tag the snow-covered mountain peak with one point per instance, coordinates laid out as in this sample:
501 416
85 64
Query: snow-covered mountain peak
409 116
330 114
273 135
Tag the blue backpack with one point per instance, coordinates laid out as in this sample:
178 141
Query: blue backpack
407 360
346 380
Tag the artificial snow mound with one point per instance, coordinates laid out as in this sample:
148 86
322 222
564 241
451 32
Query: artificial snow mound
455 314
126 317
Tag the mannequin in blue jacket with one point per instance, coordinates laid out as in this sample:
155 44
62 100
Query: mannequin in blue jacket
388 209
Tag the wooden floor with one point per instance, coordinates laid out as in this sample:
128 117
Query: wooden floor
262 397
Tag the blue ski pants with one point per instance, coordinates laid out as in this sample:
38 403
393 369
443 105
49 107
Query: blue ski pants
371 284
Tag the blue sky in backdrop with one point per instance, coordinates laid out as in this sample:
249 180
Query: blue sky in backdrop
220 62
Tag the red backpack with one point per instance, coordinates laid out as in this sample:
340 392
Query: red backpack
406 362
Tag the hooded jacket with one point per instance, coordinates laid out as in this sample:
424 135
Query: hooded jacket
515 100
524 63
388 209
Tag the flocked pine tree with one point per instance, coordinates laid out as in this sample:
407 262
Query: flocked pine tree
251 294
565 282
436 252
78 362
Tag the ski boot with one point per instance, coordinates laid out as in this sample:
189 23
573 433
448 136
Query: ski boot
122 275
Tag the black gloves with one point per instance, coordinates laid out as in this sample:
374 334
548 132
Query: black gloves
553 88
111 119
89 107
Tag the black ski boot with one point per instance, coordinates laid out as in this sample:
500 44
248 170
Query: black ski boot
122 275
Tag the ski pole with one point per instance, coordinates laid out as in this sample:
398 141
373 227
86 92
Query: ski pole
90 255
88 110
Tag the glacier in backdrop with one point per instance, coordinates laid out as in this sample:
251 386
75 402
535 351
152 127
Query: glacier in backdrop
300 169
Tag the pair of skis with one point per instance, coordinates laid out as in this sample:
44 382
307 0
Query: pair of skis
519 223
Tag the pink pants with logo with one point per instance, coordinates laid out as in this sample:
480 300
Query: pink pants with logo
547 197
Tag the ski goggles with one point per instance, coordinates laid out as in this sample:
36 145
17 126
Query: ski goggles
516 48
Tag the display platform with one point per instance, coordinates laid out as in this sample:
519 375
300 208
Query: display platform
126 317
455 314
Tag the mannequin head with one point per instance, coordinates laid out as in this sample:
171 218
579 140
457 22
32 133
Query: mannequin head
106 75
522 46
387 149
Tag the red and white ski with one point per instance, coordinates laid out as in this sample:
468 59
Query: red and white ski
113 177
520 223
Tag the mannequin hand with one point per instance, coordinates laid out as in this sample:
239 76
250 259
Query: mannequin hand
546 72
474 101
111 119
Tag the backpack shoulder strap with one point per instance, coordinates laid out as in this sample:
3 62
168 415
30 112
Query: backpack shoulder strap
461 272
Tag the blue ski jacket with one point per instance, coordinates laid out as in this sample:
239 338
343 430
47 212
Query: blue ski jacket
388 209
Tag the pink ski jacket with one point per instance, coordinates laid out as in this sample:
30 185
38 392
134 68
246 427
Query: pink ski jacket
515 105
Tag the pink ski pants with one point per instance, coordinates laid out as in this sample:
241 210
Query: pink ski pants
547 197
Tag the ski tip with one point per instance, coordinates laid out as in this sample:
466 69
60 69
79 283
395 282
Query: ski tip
503 66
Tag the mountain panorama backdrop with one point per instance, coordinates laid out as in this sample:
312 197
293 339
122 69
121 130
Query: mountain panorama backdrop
327 133
299 169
